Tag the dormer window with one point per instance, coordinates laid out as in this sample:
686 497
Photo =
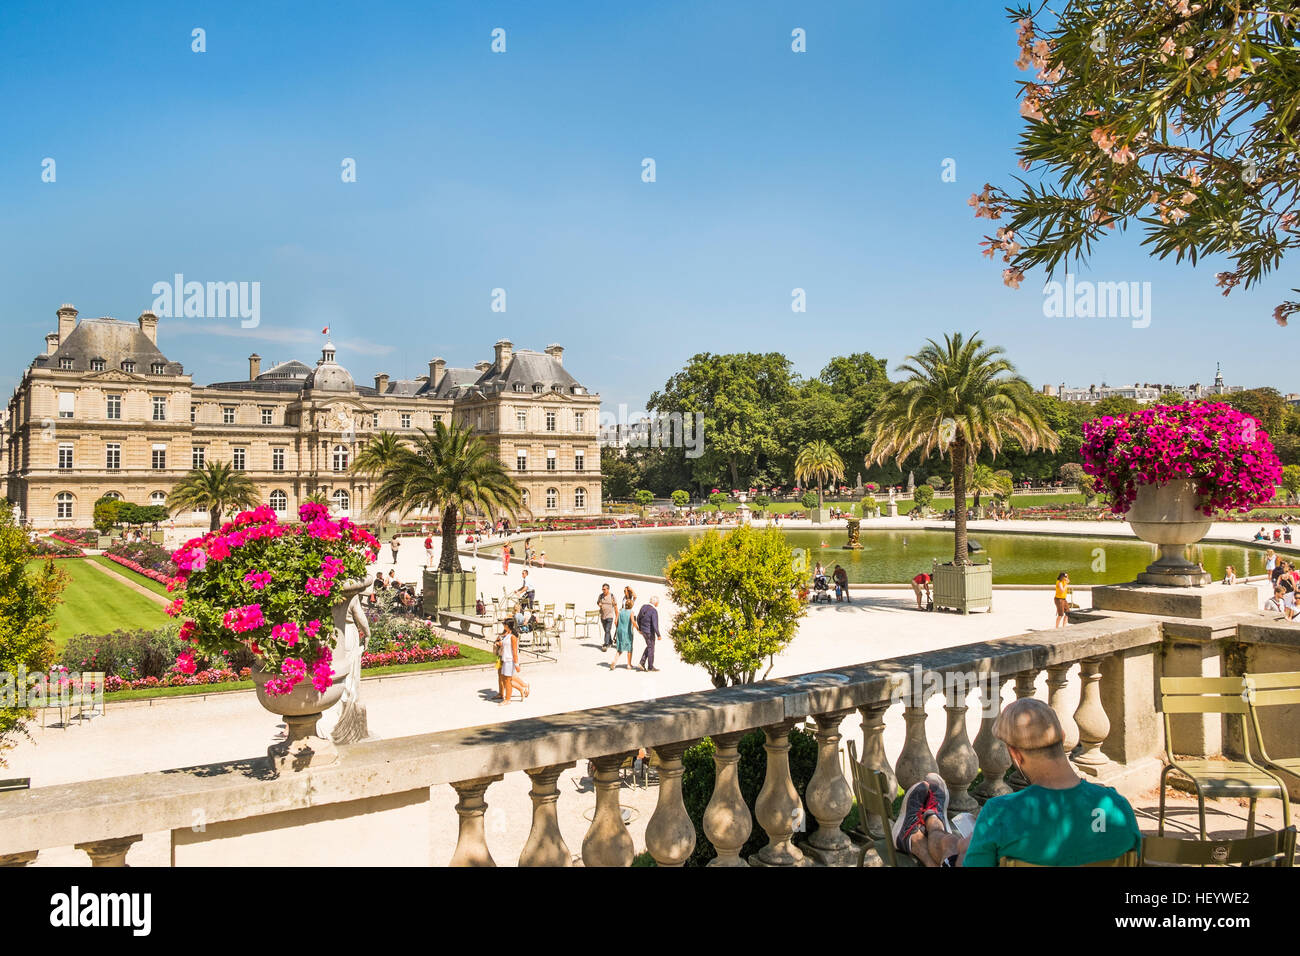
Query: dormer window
557 388
578 390
97 365
519 387
156 368
537 388
128 366
65 364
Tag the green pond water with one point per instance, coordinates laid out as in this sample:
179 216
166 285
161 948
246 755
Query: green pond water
893 556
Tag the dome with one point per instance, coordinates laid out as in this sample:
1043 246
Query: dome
328 375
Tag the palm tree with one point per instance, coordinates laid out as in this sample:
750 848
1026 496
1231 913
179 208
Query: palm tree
378 455
451 471
960 398
819 461
217 487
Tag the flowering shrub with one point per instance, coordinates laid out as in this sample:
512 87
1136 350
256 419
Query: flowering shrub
48 549
269 587
75 538
144 553
213 675
409 654
1224 451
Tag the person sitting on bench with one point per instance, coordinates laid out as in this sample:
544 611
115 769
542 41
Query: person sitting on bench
525 592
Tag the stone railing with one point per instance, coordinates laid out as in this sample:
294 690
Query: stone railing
238 812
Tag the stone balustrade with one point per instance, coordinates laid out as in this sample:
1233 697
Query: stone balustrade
249 815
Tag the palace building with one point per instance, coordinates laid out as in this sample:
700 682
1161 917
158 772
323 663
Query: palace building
102 411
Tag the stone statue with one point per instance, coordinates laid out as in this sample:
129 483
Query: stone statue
891 494
345 722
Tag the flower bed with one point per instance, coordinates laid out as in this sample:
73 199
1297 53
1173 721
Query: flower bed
45 549
141 569
409 654
146 555
1225 452
77 539
214 675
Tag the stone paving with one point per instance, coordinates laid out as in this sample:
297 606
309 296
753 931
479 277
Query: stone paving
139 736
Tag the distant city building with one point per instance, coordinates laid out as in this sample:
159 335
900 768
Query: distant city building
622 436
1145 392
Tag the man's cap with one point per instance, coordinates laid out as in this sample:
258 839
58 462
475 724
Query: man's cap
1028 724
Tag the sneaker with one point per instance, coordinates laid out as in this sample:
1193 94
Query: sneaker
911 816
939 804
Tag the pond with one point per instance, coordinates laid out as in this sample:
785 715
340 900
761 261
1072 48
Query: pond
895 555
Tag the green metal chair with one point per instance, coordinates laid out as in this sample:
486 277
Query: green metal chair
1269 849
1273 690
15 783
1215 778
1124 859
869 788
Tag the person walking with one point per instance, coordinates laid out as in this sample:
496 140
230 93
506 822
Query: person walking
505 560
528 552
607 604
1062 599
428 551
507 648
623 636
393 545
647 622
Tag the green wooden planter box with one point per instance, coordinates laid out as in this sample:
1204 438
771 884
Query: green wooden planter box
454 591
964 589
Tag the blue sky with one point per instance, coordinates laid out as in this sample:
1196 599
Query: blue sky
522 171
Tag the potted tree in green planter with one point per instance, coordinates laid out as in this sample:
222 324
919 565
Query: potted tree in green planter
286 593
922 496
1169 468
820 462
449 471
680 499
643 497
959 398
761 504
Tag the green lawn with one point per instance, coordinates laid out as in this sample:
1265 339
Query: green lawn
94 603
130 575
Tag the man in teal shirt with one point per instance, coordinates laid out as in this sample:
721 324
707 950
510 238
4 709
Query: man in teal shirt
1060 819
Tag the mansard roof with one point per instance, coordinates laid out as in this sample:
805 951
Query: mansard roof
111 340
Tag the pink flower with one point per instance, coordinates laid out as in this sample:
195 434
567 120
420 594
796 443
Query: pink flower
331 567
185 662
312 511
318 586
246 618
257 580
174 608
312 627
287 632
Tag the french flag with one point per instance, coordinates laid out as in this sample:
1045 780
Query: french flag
325 331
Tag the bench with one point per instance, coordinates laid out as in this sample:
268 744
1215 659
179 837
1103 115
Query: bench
485 622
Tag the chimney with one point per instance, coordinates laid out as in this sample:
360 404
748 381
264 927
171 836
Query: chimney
254 366
437 369
51 342
67 321
149 326
556 352
482 366
504 349
381 383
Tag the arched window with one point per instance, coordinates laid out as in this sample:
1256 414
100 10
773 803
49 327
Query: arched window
63 504
580 498
341 501
158 498
112 496
340 458
279 502
552 499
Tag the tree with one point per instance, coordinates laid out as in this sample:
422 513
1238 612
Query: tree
959 398
809 500
452 472
216 487
28 597
738 602
818 461
618 476
104 517
1291 481
717 498
922 495
762 502
377 455
681 499
643 497
1265 405
980 482
1177 116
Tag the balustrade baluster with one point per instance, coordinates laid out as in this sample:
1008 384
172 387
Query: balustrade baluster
670 834
727 820
1057 680
471 841
778 806
829 796
958 763
993 756
1024 688
873 753
607 842
1094 725
916 759
545 845
109 852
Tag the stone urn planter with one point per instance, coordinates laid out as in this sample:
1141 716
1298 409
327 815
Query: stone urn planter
302 707
1169 516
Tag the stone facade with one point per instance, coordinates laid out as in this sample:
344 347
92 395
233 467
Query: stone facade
103 411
